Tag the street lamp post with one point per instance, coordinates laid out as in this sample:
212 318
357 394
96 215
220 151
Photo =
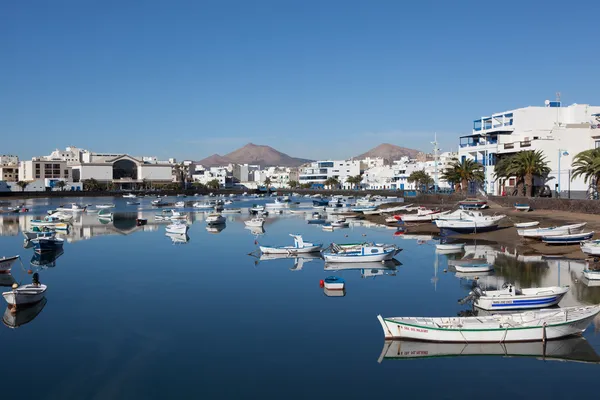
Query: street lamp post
561 153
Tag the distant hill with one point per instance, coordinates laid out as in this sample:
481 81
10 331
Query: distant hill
264 156
389 152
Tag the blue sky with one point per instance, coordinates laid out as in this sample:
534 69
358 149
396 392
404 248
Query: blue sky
314 79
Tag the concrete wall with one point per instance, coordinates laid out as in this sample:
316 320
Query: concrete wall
538 203
154 172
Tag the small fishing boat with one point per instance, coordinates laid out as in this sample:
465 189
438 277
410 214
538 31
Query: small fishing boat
232 211
47 244
255 222
6 263
471 265
159 202
177 228
133 203
203 206
257 208
129 196
180 204
340 223
320 203
74 207
482 224
141 221
177 215
449 246
568 239
470 204
362 209
26 294
591 247
511 298
334 283
526 224
537 233
104 206
536 325
34 234
300 211
359 253
300 246
522 207
48 221
215 219
592 274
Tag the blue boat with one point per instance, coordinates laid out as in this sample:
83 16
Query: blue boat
334 283
320 203
47 244
568 239
46 259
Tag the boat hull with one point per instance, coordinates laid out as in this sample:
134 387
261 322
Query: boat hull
557 328
7 263
358 258
474 268
469 229
567 239
518 302
290 249
25 295
591 274
177 229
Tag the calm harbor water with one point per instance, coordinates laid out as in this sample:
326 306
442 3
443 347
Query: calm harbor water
133 313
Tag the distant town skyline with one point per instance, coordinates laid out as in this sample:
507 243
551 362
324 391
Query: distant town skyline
311 79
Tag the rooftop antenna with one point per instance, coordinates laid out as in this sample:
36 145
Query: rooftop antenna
435 153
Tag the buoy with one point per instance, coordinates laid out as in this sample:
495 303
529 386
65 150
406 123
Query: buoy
364 234
29 272
345 235
445 270
321 283
476 278
15 285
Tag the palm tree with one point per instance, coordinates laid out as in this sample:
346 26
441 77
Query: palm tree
331 182
61 185
354 180
91 185
452 176
267 182
587 165
464 171
22 185
420 179
198 185
529 164
293 184
305 185
213 184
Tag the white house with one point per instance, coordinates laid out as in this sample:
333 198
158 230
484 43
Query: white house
319 171
561 132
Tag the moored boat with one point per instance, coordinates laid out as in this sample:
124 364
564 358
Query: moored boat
526 224
522 207
215 219
334 283
74 207
469 204
299 247
34 234
6 263
536 325
511 298
255 222
471 265
568 239
552 231
26 294
47 244
104 206
591 274
482 224
359 253
177 228
449 246
591 247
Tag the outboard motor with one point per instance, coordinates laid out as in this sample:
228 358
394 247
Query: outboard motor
35 279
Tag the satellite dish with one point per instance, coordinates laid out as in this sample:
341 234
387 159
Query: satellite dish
547 102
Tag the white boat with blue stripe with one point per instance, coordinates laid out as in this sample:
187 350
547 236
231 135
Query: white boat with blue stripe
471 265
300 246
511 298
360 253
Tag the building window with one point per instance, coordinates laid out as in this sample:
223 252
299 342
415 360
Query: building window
56 166
125 169
597 143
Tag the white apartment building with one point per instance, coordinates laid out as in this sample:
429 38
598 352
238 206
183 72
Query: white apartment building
38 168
8 159
316 173
221 174
561 132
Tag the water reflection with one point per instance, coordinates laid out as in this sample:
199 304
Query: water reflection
575 349
24 314
178 238
46 259
7 280
299 260
367 270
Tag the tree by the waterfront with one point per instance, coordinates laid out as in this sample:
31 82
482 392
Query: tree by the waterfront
22 185
420 179
464 171
524 166
587 165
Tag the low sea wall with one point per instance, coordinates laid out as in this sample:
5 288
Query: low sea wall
544 203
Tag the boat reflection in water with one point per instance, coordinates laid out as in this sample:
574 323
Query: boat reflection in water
334 293
575 349
367 270
46 259
178 238
299 259
6 279
24 314
215 228
256 230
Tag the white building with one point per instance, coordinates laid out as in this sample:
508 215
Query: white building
38 168
560 132
222 174
7 159
280 177
9 168
318 172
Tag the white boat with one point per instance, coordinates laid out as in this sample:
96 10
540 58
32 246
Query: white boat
25 294
536 325
255 222
49 222
178 238
277 204
591 247
203 206
568 239
522 207
423 214
159 202
449 246
104 206
177 215
60 216
471 265
232 211
483 224
34 234
215 219
552 231
300 210
299 247
334 283
257 208
177 228
6 263
359 253
74 207
591 274
340 223
129 196
180 204
526 224
511 298
372 212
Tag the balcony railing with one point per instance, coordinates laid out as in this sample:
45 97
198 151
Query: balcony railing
526 143
509 146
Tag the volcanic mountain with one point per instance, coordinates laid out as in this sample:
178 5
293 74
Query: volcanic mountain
264 156
389 152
